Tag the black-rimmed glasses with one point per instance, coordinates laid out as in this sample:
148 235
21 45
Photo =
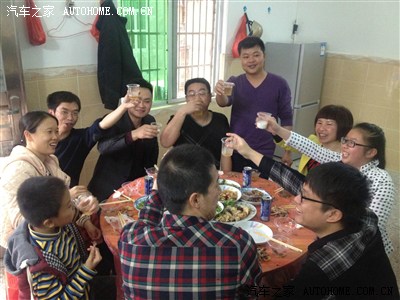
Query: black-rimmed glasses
351 144
313 200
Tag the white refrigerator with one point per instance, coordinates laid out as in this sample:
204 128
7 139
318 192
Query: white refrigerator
302 65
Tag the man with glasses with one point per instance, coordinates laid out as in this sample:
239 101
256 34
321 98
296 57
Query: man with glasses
348 256
195 124
75 144
128 147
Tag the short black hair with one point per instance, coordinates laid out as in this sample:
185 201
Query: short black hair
56 98
40 198
250 42
30 122
197 80
184 170
143 83
339 113
343 186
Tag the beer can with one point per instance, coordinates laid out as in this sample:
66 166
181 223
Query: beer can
265 208
247 176
148 184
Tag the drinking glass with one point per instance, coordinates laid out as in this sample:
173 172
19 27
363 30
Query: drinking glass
226 151
82 202
158 125
228 88
133 91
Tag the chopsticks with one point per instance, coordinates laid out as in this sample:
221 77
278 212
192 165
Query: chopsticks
289 206
286 245
127 199
278 190
115 202
121 219
123 195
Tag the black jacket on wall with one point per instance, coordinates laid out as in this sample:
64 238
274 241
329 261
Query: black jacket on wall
116 64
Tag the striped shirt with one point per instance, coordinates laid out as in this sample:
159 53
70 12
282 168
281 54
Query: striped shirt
184 257
61 252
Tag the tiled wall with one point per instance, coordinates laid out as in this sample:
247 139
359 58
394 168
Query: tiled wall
80 80
368 87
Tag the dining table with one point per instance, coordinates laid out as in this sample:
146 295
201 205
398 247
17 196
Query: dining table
277 269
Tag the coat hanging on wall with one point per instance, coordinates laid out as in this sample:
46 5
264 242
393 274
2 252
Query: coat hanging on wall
255 29
240 35
116 64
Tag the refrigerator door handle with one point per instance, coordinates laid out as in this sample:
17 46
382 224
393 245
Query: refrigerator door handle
306 104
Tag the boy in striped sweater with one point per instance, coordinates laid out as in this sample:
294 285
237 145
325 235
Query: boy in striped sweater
46 251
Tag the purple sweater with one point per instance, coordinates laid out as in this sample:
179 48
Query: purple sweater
272 95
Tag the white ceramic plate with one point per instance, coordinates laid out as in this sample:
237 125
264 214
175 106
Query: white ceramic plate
251 215
232 189
229 182
254 195
260 232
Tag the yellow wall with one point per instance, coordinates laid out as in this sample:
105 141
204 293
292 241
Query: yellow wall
368 87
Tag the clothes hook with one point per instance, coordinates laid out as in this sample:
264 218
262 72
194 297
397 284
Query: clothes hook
244 8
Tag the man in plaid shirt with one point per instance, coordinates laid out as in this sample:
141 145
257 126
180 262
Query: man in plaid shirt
182 254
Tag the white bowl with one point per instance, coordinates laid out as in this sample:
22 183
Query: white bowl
235 191
229 182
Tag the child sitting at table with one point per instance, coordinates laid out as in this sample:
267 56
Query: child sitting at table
46 251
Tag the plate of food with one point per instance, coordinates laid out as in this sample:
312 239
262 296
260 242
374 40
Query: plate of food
229 195
260 232
140 202
254 195
229 182
238 211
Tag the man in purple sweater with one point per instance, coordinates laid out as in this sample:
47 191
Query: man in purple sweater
255 91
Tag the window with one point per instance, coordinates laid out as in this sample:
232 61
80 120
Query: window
187 27
147 31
